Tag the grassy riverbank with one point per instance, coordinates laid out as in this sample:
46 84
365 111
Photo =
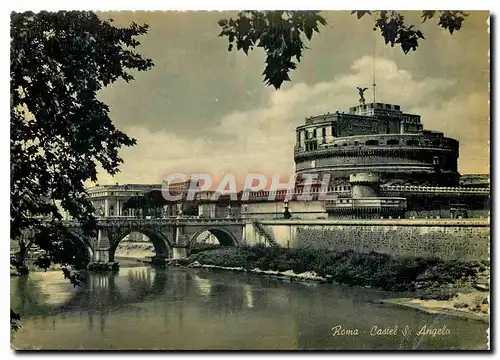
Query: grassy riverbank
428 279
473 305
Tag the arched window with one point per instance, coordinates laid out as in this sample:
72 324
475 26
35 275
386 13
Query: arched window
412 142
371 142
392 142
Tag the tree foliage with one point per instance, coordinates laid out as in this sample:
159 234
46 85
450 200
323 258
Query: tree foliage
60 131
278 33
281 34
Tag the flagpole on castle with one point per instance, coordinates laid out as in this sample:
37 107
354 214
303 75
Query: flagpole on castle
373 68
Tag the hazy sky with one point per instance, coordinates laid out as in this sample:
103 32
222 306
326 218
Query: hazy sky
204 109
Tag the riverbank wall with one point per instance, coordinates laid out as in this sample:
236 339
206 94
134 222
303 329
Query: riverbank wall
446 239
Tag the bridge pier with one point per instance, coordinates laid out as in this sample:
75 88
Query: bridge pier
101 255
101 260
179 251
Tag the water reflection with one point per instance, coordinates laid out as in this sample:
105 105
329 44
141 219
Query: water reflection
147 308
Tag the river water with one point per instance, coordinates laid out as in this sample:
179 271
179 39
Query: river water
195 309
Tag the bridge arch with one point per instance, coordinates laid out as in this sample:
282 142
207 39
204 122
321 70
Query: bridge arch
79 238
223 235
161 241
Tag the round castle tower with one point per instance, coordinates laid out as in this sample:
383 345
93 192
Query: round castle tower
364 185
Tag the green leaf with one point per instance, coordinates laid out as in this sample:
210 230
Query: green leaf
361 13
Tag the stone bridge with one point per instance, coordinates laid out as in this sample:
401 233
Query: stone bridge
464 239
171 237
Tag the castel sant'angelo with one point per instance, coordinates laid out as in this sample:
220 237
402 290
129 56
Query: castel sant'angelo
380 160
377 138
374 161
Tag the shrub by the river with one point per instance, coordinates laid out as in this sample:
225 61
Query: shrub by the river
196 248
372 269
224 256
101 266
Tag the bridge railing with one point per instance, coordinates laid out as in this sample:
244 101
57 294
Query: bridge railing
172 220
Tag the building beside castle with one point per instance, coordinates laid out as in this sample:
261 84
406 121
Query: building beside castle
110 200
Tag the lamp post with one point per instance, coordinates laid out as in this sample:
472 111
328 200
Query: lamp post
286 211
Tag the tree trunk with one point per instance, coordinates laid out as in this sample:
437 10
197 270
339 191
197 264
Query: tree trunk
21 267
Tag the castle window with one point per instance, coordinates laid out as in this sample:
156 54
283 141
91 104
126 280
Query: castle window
314 133
392 142
335 145
412 142
397 107
323 132
387 106
306 134
371 142
344 144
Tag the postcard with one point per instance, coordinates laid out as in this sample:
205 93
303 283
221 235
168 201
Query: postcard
252 180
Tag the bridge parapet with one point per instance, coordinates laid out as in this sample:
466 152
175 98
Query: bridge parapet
126 221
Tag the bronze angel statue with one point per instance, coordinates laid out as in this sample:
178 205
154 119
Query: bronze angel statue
361 95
